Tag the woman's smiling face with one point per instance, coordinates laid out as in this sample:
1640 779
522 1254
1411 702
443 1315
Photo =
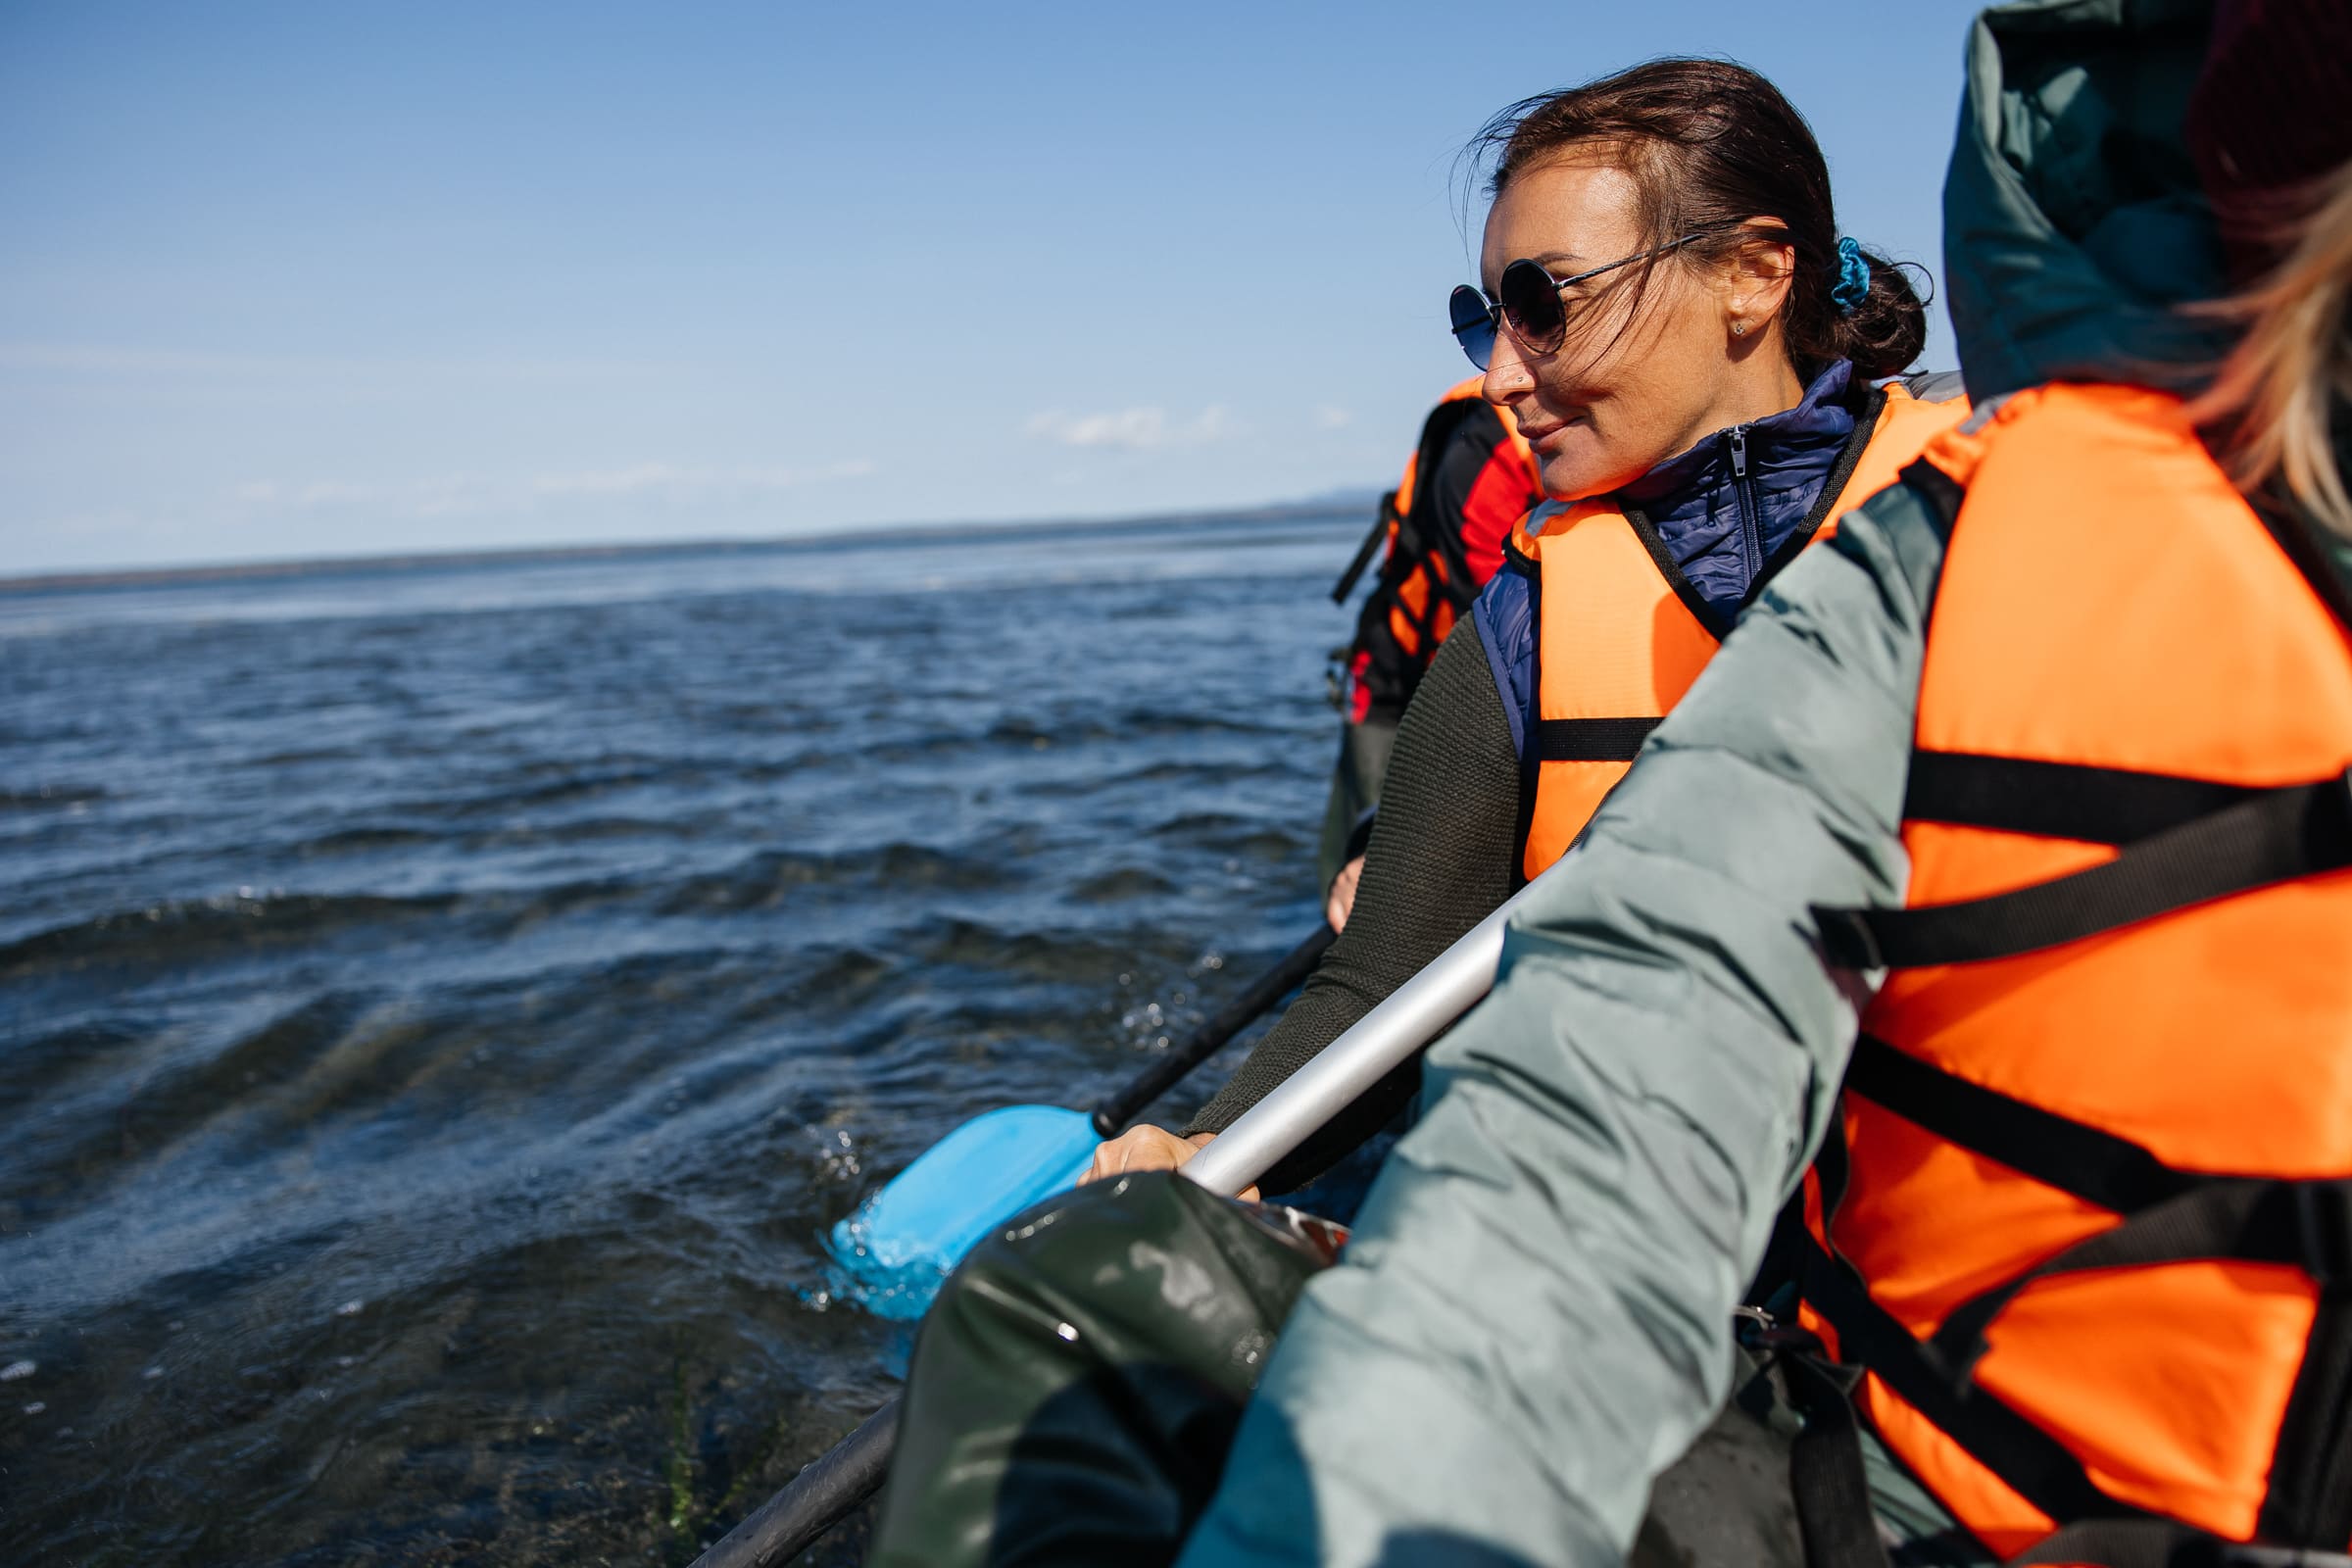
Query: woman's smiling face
1646 371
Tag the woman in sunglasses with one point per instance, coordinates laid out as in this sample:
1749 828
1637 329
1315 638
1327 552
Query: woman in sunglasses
1668 311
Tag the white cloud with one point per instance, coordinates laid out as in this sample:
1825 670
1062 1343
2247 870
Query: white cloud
1131 429
1327 418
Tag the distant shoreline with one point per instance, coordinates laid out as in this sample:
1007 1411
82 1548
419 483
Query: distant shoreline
541 555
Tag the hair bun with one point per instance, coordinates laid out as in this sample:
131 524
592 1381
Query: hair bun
1886 327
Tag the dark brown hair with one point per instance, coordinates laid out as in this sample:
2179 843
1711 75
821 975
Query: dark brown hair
1711 145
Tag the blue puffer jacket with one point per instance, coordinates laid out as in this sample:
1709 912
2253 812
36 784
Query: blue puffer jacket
1723 507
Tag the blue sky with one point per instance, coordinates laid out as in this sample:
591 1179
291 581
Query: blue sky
291 280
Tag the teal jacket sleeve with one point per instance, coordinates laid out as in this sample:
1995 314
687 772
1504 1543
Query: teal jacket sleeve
1533 1318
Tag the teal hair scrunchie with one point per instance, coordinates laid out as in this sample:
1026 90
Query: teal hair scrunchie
1853 277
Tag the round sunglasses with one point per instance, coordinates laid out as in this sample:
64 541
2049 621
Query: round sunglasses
1528 302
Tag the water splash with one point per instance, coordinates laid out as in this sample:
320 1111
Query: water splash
894 1251
862 1270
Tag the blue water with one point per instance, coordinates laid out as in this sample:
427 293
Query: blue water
442 1008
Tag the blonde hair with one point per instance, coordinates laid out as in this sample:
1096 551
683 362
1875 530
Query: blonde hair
2269 407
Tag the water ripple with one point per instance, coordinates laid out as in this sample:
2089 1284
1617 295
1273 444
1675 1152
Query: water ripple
442 1009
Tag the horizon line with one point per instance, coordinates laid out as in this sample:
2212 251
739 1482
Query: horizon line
69 579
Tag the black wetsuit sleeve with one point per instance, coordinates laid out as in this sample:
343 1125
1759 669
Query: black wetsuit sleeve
1439 863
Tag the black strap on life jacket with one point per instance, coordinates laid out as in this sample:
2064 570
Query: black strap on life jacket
1825 1466
1868 402
1592 740
1384 517
1832 1489
2259 837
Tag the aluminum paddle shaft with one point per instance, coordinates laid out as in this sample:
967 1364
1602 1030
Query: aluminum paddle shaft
1381 1041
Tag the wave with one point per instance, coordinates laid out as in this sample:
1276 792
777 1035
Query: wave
51 796
1194 776
1227 834
365 841
76 1151
30 1062
182 929
1180 721
574 967
1120 884
769 877
188 928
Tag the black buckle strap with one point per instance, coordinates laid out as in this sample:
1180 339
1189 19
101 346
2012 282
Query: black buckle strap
2274 836
1592 740
2030 1462
1827 1480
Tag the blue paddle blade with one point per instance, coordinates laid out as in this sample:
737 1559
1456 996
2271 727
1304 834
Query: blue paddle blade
908 1237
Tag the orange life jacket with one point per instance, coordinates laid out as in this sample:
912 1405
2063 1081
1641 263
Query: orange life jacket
1462 392
1471 475
1621 634
1423 611
2087 1218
